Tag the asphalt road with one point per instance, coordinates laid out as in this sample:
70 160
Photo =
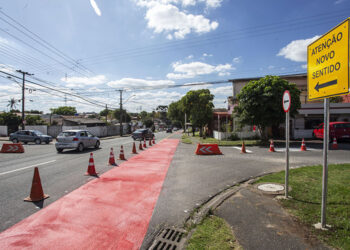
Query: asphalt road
193 179
190 181
59 173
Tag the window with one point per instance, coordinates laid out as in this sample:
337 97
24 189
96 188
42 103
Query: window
89 134
83 133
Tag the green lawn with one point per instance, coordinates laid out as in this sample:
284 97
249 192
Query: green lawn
306 184
196 139
213 233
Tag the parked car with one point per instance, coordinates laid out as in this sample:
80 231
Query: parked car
26 136
339 130
169 130
142 134
76 139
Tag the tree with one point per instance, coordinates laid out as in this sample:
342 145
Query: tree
198 104
260 102
34 120
175 113
11 120
125 116
148 123
64 110
12 103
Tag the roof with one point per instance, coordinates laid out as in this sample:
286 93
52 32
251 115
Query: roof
301 75
83 120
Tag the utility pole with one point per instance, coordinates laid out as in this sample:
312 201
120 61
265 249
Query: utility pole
23 91
121 114
106 114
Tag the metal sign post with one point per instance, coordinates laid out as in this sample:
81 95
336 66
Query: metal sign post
286 103
325 162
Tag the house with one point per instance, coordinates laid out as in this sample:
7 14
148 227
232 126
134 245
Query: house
78 121
311 112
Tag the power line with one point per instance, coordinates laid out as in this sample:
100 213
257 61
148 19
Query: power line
42 42
282 26
60 91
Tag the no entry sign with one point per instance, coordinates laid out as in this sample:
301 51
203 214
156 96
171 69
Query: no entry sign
286 101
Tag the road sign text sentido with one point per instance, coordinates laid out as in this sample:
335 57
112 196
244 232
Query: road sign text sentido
328 56
328 63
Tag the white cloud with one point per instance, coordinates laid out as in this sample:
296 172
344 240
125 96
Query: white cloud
207 55
189 57
297 50
212 3
304 66
339 1
74 82
225 90
193 69
237 59
130 83
168 18
95 7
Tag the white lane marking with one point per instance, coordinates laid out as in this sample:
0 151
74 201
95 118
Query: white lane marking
295 149
32 166
248 151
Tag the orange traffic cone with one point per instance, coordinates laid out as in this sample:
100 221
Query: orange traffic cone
91 168
154 141
144 143
121 155
243 148
334 144
303 147
140 146
111 159
272 147
150 142
134 149
36 192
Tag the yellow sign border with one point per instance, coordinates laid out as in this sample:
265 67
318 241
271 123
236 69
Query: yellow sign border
348 63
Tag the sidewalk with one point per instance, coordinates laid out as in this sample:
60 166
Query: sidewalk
259 222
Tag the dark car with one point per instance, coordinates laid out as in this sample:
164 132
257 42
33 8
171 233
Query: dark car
142 134
26 136
338 130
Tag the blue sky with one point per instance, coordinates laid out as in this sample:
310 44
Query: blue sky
91 48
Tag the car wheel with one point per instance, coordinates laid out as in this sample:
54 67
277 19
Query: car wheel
47 142
59 150
80 147
15 140
37 141
25 142
97 145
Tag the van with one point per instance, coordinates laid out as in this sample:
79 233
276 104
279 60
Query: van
339 130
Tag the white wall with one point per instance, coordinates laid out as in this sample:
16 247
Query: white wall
302 133
41 128
3 130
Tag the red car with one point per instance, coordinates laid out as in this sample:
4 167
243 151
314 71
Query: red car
339 130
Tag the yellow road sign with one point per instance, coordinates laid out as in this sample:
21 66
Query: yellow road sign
328 64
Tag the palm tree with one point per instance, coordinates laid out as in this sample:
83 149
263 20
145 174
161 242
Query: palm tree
12 103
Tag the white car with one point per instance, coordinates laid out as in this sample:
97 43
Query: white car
76 139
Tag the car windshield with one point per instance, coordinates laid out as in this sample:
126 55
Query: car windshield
67 134
37 132
140 130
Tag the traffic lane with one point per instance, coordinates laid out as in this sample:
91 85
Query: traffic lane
58 178
192 179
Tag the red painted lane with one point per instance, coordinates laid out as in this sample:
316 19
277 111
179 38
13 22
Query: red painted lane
111 212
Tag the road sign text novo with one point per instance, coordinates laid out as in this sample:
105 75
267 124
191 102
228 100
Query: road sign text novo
328 64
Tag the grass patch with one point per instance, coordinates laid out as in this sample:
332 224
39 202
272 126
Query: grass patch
186 139
189 139
212 233
229 143
306 184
